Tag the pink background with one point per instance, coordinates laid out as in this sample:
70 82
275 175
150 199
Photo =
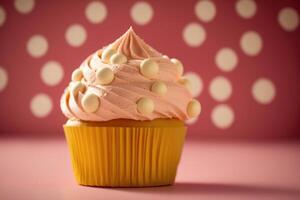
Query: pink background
277 61
34 167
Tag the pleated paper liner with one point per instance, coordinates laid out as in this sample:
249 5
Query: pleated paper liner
136 156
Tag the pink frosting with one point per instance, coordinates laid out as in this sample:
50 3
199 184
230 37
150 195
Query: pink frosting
118 100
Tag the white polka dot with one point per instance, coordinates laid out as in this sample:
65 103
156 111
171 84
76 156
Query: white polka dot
226 59
246 8
222 116
263 91
96 12
220 88
251 43
288 19
3 78
192 120
205 10
194 34
52 73
2 16
41 105
196 83
37 46
141 12
24 6
76 35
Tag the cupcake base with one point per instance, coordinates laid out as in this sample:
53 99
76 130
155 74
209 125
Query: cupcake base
125 153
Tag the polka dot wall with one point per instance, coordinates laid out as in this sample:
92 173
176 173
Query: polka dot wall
241 56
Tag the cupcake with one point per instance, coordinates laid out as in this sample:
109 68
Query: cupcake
126 105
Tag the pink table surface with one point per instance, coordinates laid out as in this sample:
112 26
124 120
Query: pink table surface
40 169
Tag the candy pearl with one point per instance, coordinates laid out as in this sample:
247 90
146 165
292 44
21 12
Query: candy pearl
77 87
179 66
107 53
186 83
193 108
145 106
90 102
77 75
104 76
149 68
118 58
159 88
165 56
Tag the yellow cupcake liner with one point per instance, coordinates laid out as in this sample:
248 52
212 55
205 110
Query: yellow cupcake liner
125 156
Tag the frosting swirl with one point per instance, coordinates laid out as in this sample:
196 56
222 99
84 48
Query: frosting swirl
128 79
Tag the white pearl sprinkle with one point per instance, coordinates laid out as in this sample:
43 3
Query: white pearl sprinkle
90 102
118 58
193 108
104 76
159 88
145 106
149 68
